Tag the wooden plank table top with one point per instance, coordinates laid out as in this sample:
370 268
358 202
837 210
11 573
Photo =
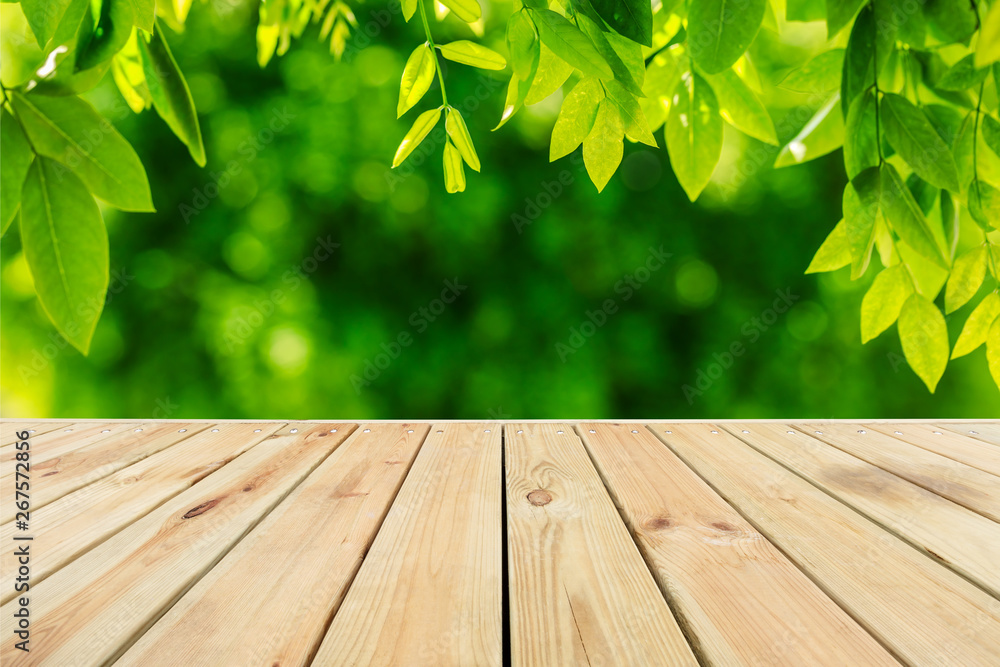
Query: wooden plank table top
280 543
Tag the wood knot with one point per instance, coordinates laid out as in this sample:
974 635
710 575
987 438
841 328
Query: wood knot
659 523
724 527
200 509
539 497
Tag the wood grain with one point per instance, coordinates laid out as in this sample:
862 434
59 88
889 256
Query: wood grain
429 591
960 538
93 609
967 486
921 610
274 610
962 448
73 524
58 476
10 429
743 600
580 592
989 433
62 441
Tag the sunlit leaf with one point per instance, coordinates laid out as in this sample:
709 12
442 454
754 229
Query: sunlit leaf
924 337
950 20
988 44
991 133
71 131
905 217
636 126
883 301
840 13
967 276
552 73
576 118
469 53
409 8
805 10
459 133
66 246
15 158
821 74
950 222
978 325
822 134
720 31
523 45
694 134
835 253
741 108
421 127
993 352
567 42
917 142
603 146
454 172
44 16
629 76
984 204
467 10
418 75
962 75
860 142
631 18
861 207
924 194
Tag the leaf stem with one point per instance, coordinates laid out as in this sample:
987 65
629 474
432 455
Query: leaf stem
878 126
430 40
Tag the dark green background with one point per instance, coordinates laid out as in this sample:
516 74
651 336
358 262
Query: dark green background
177 336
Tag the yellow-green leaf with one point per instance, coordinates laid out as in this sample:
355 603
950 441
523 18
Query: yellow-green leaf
459 133
720 31
988 45
835 252
905 217
422 126
741 108
604 146
467 10
576 118
820 75
822 134
570 44
977 326
15 158
993 351
967 274
924 337
694 134
862 200
883 301
552 73
418 75
469 53
409 7
915 139
454 172
636 125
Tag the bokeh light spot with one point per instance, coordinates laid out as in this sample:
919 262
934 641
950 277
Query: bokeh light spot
697 283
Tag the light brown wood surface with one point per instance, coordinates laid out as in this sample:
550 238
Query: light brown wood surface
989 433
580 592
429 591
967 450
47 447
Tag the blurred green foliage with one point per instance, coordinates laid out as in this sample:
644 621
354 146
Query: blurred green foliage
222 306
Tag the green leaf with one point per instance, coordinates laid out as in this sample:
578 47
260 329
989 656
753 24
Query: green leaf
603 147
964 149
630 76
988 44
552 73
966 277
822 134
455 126
835 253
820 75
170 93
947 121
741 108
993 352
991 133
576 118
883 301
924 337
418 75
839 13
66 246
862 200
720 31
567 42
962 75
636 126
984 204
805 10
467 10
60 75
978 325
923 192
950 221
694 134
71 131
409 8
44 16
421 127
928 277
523 45
15 158
114 28
860 142
631 18
469 53
144 13
950 20
454 172
868 39
905 217
917 142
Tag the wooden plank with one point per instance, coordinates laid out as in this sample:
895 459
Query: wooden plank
962 448
73 524
48 447
986 432
732 589
580 592
967 486
963 540
922 611
274 610
429 591
93 609
55 478
10 429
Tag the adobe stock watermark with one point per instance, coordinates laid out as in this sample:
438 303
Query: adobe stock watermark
248 150
242 328
626 288
751 331
420 320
